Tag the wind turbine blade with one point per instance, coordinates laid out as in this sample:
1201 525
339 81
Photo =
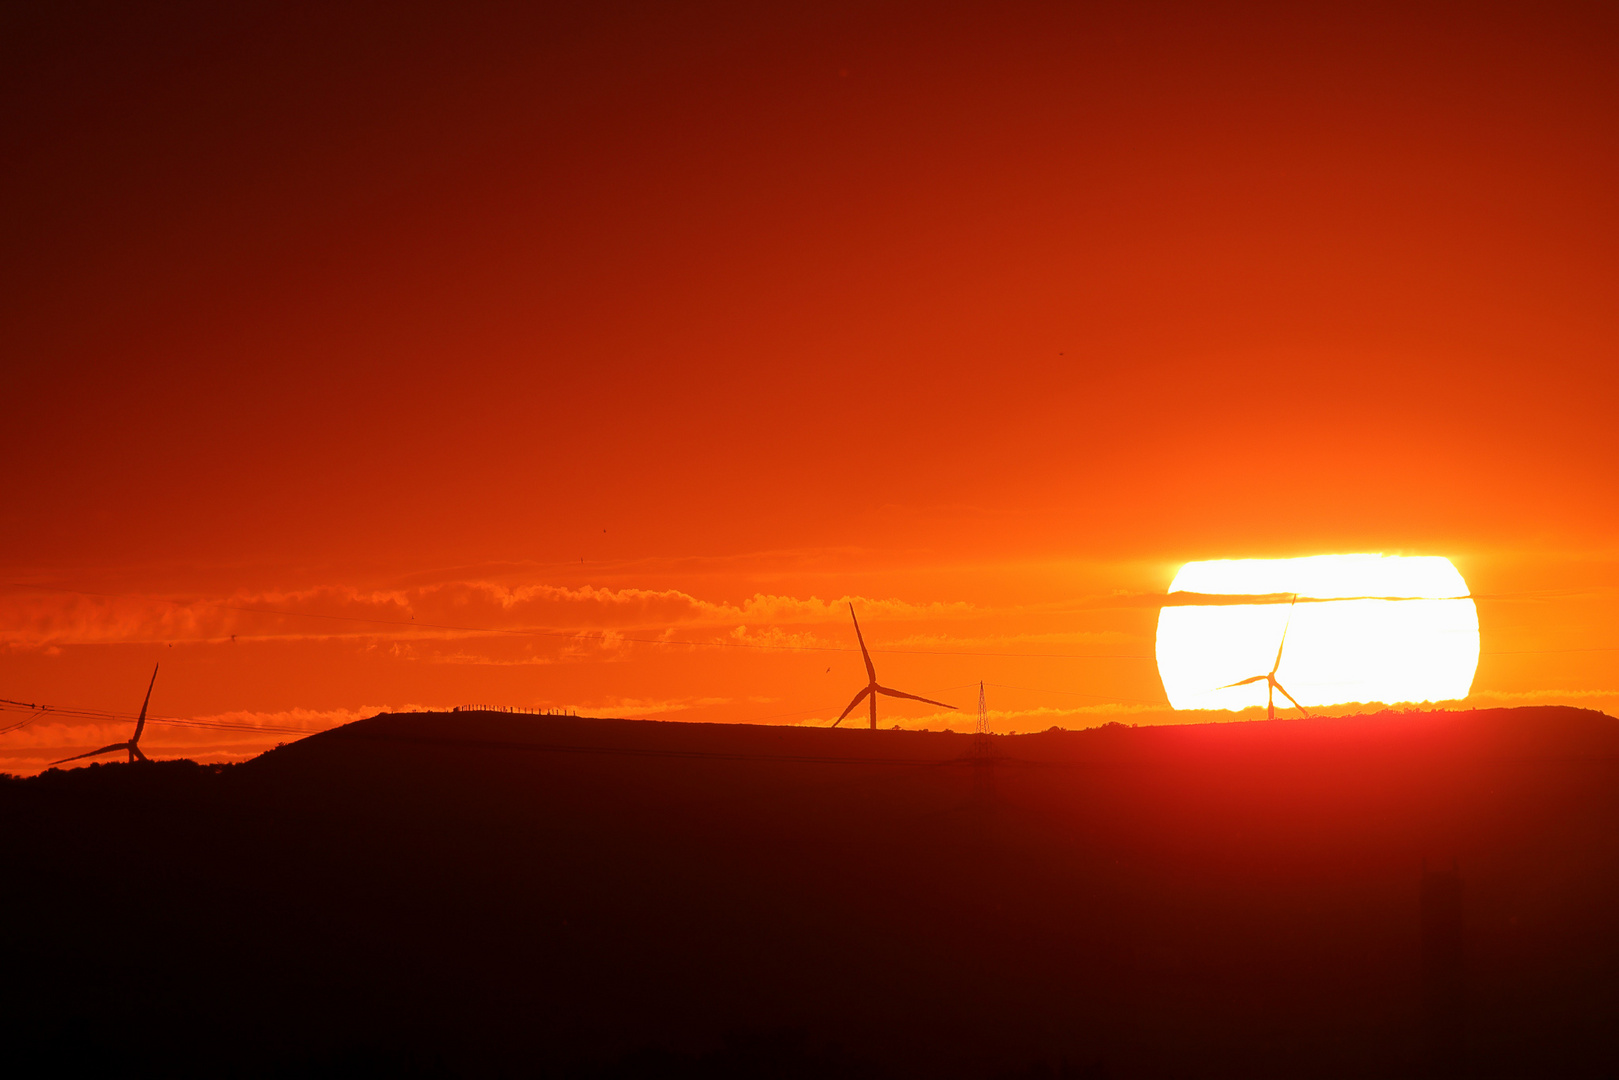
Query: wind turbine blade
1285 626
1244 682
913 697
93 753
858 698
1289 697
871 672
135 752
140 723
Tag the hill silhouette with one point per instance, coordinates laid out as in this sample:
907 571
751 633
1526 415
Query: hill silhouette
482 894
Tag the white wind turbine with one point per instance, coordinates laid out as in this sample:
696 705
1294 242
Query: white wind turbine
1269 678
872 689
133 745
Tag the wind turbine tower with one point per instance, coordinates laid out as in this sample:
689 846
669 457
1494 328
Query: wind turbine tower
133 745
872 688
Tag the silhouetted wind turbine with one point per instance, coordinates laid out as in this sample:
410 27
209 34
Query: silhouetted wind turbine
872 689
1269 678
133 745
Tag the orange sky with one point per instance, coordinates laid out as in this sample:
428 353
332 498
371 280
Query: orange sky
692 323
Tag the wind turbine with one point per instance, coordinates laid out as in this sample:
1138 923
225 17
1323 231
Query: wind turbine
1269 678
133 745
872 689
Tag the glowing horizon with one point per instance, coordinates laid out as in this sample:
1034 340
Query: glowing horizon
1421 649
626 356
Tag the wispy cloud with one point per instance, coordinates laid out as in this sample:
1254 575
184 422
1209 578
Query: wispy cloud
40 618
988 641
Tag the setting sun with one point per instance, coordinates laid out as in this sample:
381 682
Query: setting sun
1369 628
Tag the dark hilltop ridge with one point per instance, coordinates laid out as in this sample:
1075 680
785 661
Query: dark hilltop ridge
482 894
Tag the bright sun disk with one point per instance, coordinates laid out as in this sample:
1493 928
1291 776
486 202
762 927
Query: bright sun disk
1366 628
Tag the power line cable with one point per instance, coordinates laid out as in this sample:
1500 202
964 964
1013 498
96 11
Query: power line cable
170 721
24 722
834 706
1075 693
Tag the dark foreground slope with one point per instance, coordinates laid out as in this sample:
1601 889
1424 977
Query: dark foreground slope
487 894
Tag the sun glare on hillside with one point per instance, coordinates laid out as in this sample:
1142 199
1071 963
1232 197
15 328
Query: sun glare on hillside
1364 628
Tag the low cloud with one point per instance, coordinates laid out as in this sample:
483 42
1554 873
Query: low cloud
640 707
593 617
1542 696
948 641
216 737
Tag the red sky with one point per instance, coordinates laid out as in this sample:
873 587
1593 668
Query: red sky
668 322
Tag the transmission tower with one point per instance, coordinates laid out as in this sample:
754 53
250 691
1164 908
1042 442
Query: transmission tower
981 747
982 756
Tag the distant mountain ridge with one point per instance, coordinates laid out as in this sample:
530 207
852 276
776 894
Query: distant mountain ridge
486 894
